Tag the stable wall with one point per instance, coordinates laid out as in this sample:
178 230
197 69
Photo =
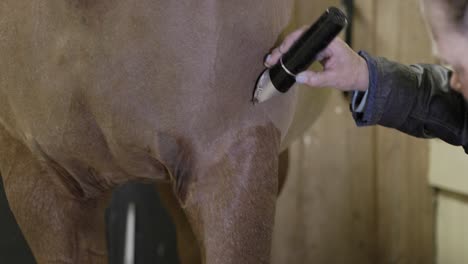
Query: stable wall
448 174
360 195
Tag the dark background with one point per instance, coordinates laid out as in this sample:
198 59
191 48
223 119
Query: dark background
155 233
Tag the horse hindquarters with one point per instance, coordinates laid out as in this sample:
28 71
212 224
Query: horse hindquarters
57 227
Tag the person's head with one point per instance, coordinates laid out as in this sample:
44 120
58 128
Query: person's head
448 22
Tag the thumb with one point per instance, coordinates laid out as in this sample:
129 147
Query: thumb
315 79
455 81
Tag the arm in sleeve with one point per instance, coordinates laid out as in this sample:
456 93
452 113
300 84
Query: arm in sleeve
415 99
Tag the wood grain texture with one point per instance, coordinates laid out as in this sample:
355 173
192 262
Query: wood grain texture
326 211
452 231
404 198
448 167
360 195
447 173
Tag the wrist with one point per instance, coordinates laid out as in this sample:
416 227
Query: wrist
362 78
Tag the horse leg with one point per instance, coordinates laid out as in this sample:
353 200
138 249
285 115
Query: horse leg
230 201
188 249
283 167
187 245
57 227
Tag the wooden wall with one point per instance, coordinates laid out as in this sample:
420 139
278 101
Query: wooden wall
452 231
360 195
448 172
404 198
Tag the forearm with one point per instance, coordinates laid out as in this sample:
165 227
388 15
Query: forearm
414 99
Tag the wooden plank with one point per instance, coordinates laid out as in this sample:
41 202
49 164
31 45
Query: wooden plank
448 167
404 200
452 228
448 170
376 174
326 211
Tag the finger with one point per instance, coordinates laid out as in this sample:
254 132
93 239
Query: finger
276 54
337 43
273 58
291 39
315 79
324 55
268 61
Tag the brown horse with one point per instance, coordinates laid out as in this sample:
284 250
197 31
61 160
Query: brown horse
94 94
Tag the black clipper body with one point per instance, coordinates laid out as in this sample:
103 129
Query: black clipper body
282 76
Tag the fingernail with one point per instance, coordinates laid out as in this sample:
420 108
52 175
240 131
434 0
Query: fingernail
301 78
267 61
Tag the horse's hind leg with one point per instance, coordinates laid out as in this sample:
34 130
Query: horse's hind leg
187 246
58 229
188 249
230 201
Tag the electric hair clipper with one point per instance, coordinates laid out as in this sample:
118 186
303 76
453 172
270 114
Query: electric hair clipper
282 76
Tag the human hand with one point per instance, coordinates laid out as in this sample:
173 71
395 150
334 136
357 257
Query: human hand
343 68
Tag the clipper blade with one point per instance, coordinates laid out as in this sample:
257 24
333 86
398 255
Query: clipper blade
264 89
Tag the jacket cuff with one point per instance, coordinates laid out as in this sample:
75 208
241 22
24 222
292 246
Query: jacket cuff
368 115
359 101
390 87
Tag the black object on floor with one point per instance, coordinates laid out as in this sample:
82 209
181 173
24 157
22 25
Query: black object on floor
155 236
155 232
13 246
